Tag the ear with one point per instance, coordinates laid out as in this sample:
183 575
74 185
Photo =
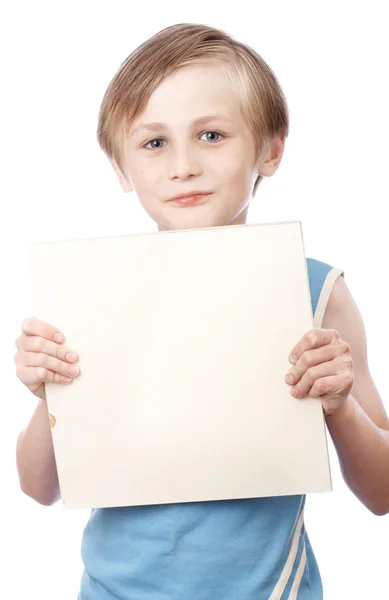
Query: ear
124 182
271 156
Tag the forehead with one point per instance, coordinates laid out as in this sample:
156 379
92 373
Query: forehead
192 92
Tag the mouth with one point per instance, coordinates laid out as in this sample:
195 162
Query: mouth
190 198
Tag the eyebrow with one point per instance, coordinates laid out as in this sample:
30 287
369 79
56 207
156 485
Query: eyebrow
148 127
161 126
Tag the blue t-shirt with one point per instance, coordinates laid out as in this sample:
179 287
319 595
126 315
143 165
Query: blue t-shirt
250 549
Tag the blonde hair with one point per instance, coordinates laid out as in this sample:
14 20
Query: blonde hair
261 98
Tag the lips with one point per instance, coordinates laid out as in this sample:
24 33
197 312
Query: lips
190 198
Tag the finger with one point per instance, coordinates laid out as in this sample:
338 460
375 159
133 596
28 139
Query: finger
332 368
33 326
313 339
32 343
311 358
35 376
38 359
330 404
333 386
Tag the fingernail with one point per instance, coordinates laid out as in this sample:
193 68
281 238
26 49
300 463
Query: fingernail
294 393
289 379
293 359
59 338
73 371
71 357
66 379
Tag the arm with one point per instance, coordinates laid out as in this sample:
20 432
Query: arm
35 459
41 357
332 363
360 428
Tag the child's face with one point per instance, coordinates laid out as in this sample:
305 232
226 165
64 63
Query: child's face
192 138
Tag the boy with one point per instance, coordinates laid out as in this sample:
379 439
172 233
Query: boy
192 121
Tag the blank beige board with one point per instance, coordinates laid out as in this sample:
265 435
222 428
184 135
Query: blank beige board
183 340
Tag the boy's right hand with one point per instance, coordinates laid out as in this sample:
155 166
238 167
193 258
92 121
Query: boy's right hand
42 357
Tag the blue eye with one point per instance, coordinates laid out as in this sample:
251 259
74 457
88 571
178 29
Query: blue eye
155 144
212 136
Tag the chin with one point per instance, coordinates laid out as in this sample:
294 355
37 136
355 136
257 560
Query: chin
196 217
183 224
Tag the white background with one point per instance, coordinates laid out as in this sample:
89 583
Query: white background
56 62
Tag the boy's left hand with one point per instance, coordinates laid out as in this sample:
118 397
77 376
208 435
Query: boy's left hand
322 367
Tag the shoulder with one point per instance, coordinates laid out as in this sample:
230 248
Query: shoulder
323 281
336 308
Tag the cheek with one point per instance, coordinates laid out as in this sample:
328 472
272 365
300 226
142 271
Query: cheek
236 173
144 178
142 171
238 161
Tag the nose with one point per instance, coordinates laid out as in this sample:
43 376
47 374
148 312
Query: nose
184 163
